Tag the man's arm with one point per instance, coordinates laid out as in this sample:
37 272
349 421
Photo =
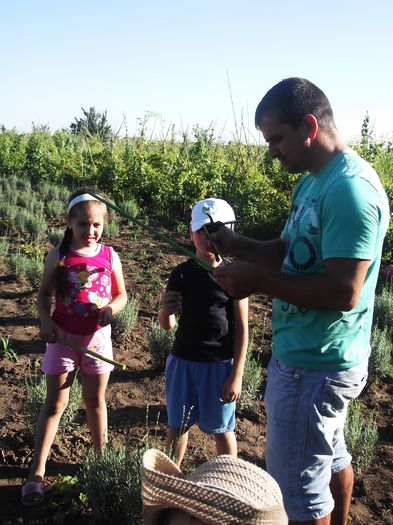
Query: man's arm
338 288
260 253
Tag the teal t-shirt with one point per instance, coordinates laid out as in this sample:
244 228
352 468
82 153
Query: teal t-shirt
340 212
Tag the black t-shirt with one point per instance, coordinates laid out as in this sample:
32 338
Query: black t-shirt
205 327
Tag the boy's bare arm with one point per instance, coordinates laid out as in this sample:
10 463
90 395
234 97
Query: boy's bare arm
233 385
171 304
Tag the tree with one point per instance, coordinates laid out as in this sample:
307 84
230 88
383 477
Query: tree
92 123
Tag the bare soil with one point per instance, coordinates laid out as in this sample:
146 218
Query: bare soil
146 265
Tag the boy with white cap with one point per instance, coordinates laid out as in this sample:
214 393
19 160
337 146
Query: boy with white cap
203 377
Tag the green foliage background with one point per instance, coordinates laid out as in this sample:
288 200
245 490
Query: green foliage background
166 177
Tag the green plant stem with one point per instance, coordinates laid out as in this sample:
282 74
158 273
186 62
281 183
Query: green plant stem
90 352
174 244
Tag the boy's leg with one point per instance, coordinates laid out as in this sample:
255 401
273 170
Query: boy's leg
176 444
226 443
57 395
93 389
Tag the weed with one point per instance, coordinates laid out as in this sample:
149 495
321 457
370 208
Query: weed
66 499
160 344
126 318
33 250
6 351
360 437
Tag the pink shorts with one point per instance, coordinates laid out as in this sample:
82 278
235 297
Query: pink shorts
60 359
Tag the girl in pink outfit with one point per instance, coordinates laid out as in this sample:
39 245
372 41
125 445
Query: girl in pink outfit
87 281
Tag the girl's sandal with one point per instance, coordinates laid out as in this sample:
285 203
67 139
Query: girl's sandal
32 493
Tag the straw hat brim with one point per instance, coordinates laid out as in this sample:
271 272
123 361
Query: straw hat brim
203 494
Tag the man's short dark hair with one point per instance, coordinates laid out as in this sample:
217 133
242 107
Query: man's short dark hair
293 98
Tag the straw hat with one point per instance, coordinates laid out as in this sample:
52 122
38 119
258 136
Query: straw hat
223 491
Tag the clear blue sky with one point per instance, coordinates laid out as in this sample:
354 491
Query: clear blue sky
175 58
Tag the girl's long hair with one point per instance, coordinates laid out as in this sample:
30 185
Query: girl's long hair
59 276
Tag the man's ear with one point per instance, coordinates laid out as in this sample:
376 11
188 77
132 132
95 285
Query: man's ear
311 126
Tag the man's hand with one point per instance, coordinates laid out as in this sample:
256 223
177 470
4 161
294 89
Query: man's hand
223 237
238 279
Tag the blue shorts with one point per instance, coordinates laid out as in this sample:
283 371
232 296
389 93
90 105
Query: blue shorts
306 412
193 393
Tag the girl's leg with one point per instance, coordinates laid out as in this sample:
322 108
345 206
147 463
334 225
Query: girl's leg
176 444
93 388
226 443
57 396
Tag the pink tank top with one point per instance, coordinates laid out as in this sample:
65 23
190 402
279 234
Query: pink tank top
88 290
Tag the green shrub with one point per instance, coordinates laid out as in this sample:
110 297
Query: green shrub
31 202
18 264
55 209
112 228
8 210
11 196
112 481
252 378
34 270
131 207
4 248
160 344
56 236
360 436
37 226
380 362
126 318
24 185
383 307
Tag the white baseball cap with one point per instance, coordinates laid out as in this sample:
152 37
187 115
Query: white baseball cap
218 209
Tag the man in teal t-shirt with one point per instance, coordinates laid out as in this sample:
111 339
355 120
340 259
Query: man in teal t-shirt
322 274
340 212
